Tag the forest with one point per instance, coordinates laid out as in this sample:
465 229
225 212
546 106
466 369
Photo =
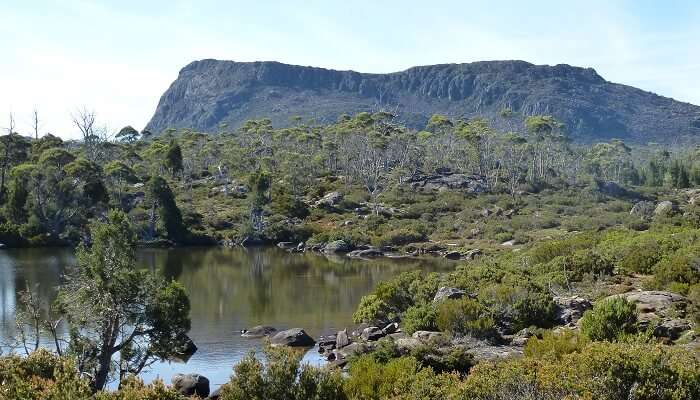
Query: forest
581 261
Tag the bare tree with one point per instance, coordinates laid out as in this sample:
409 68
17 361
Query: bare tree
93 136
36 124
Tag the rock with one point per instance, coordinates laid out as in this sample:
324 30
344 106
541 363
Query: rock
655 304
191 385
509 213
509 243
521 338
341 339
326 344
329 200
426 336
215 395
453 255
446 180
258 331
490 352
295 337
286 245
391 328
485 212
372 333
671 329
472 254
366 253
405 345
337 246
643 209
475 232
665 209
355 349
444 293
570 309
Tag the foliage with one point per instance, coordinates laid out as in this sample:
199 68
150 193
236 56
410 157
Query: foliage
609 320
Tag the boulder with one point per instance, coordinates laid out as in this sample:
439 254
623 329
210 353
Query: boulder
656 304
215 395
341 339
286 245
391 328
191 385
453 255
366 253
372 333
671 329
448 293
337 246
521 338
509 243
329 200
426 336
472 254
643 209
570 309
326 344
665 209
355 349
405 345
258 331
295 337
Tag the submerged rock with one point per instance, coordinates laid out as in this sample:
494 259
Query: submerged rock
258 331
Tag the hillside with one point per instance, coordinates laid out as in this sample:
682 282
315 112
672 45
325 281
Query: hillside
211 94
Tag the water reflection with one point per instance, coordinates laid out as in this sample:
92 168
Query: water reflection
229 289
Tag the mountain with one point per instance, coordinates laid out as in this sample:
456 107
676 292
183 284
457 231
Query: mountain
210 95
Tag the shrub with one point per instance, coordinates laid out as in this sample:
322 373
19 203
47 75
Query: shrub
419 318
465 317
554 345
515 308
609 320
281 378
683 266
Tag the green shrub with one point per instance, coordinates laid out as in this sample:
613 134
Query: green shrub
683 266
514 308
609 320
465 317
419 318
281 378
554 345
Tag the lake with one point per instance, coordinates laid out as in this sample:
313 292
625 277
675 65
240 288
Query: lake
229 290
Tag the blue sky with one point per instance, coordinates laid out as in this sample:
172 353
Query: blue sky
117 57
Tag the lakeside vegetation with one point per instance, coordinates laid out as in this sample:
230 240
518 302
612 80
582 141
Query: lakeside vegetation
550 219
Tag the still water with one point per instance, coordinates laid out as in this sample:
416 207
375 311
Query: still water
229 290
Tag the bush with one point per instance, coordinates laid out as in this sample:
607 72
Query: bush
602 371
683 266
419 318
609 320
465 317
554 345
281 378
515 308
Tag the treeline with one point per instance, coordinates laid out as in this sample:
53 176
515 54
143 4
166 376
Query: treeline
49 188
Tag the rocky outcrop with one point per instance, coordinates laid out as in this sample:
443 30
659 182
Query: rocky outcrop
337 246
191 385
665 209
329 200
570 309
211 94
643 209
295 337
656 304
445 293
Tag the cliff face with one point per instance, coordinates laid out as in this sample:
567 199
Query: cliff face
210 94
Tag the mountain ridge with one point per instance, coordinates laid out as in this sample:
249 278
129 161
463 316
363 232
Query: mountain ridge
213 95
